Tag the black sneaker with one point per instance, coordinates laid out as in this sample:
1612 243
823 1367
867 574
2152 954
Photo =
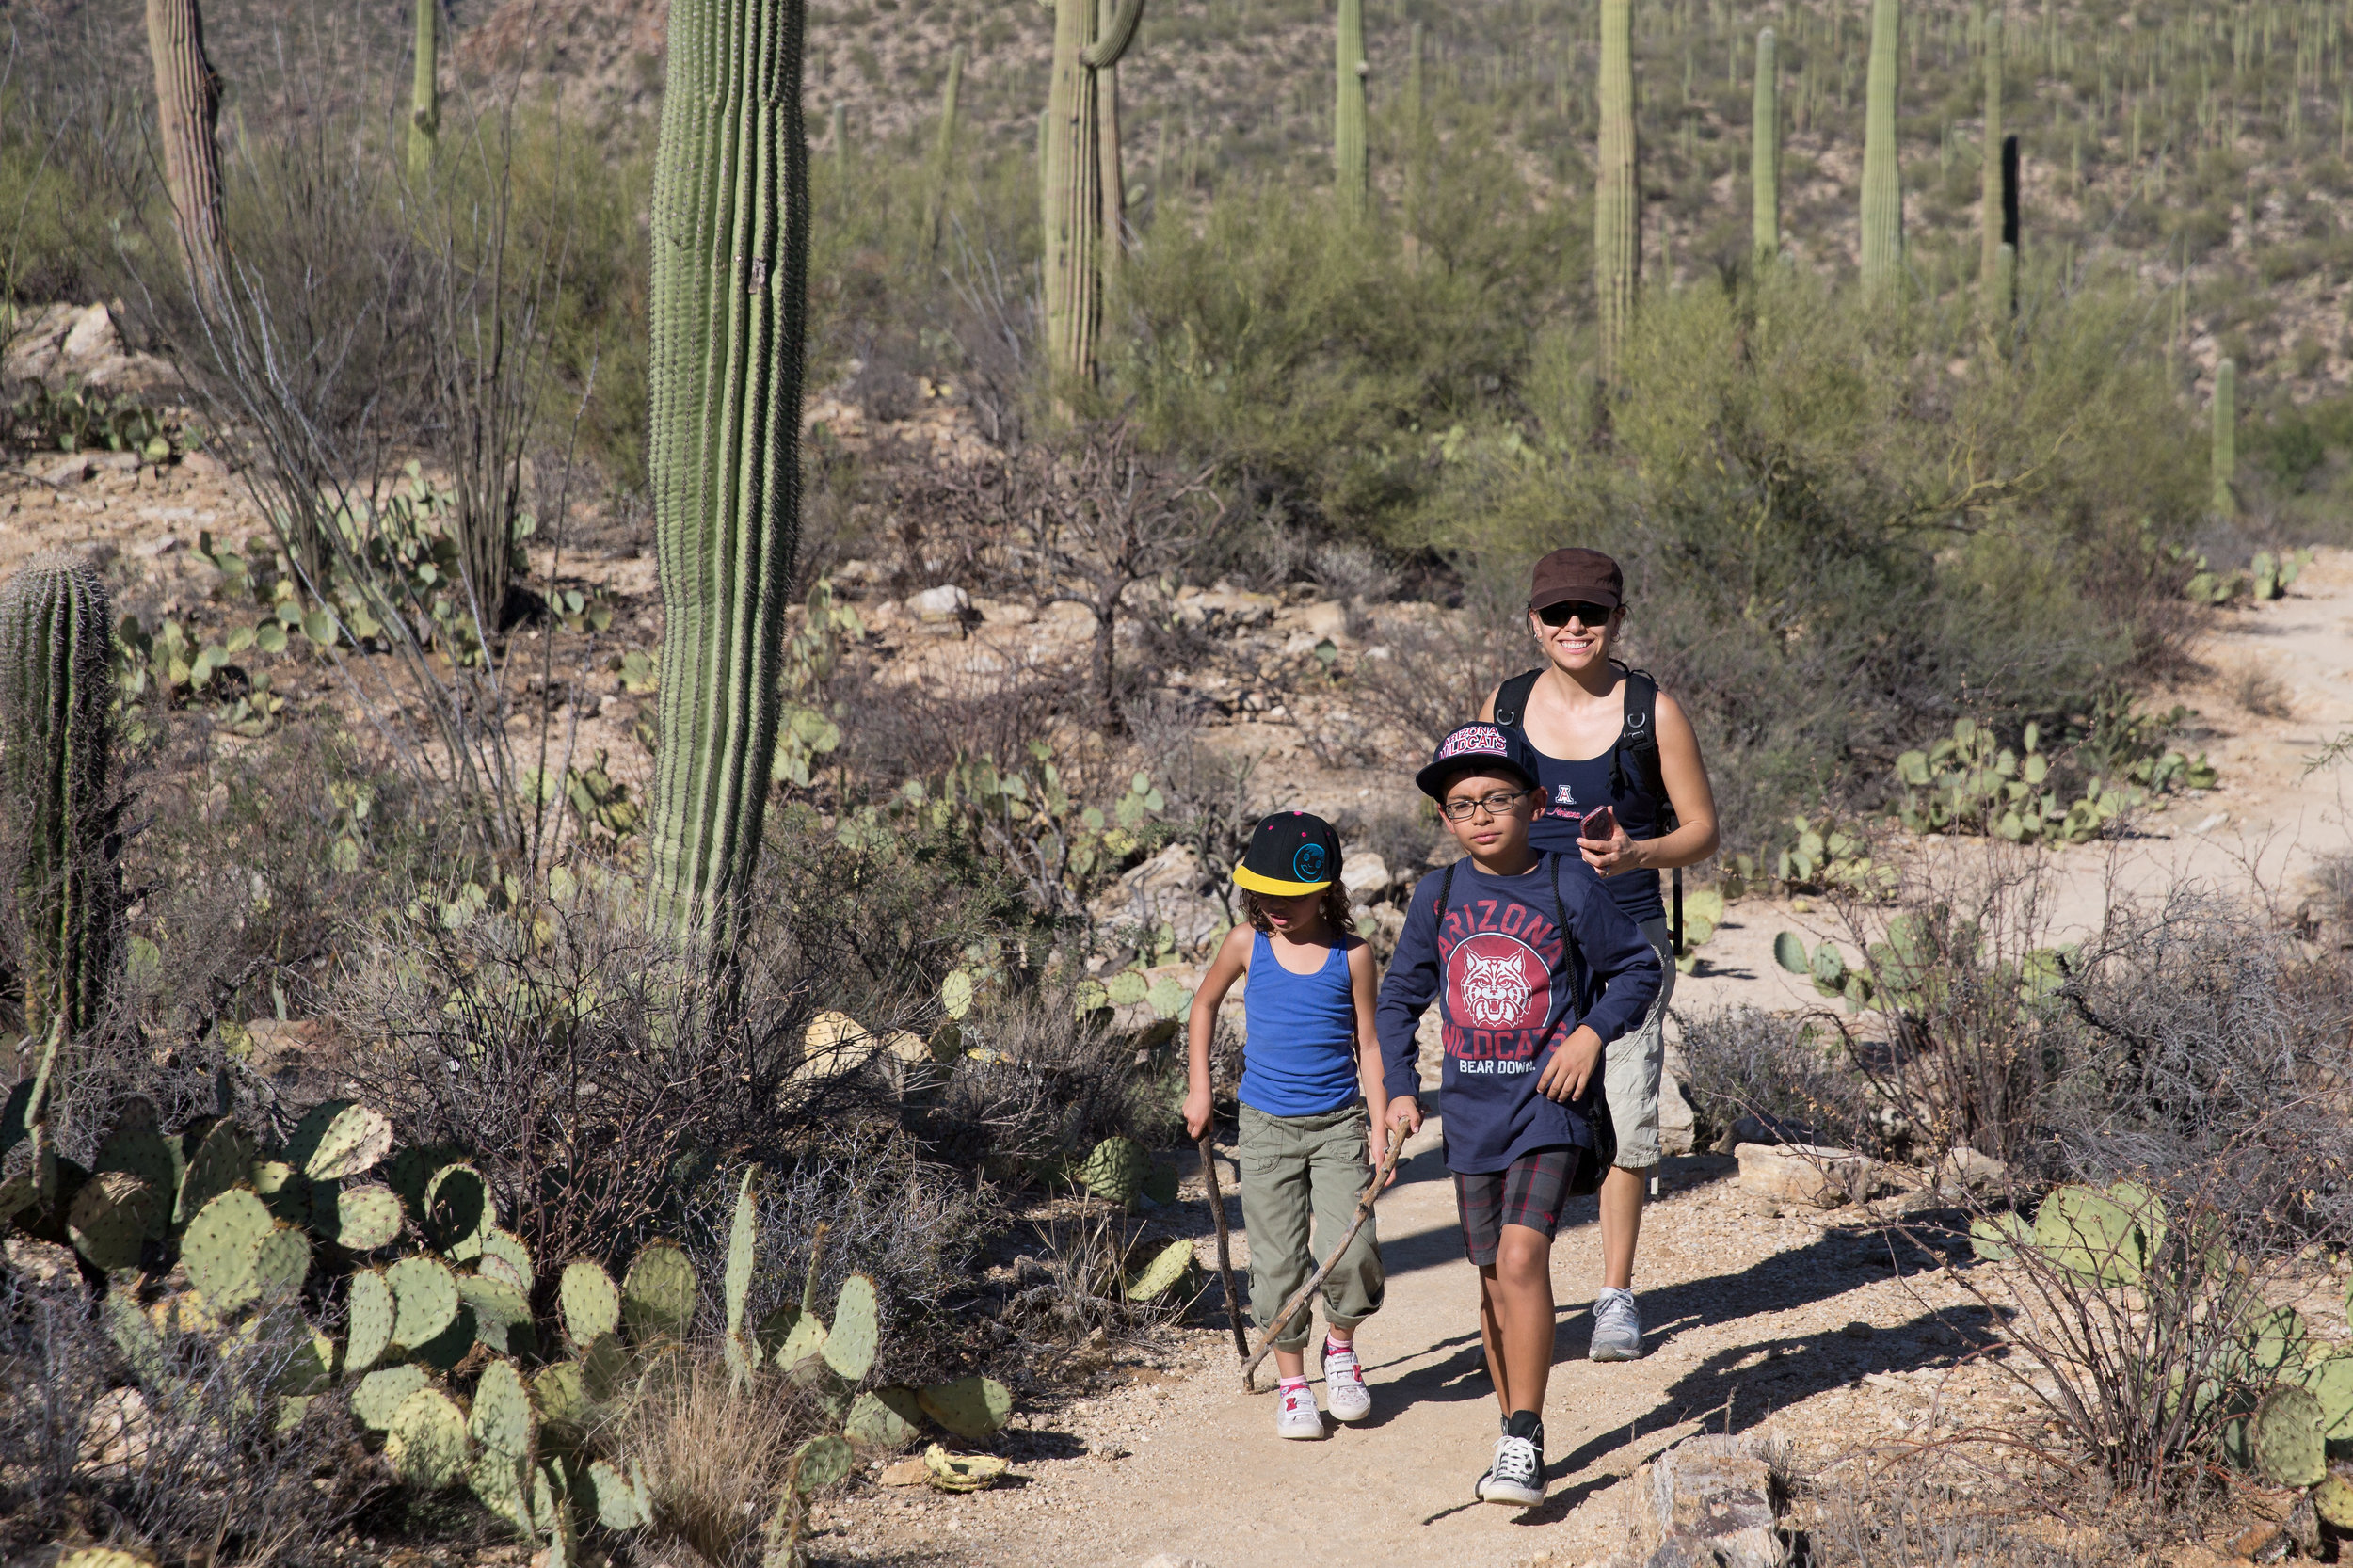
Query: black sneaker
1515 1478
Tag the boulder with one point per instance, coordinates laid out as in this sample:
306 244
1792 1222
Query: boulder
1707 1502
1165 888
1807 1173
1752 1127
1677 1123
1364 875
946 602
1964 1170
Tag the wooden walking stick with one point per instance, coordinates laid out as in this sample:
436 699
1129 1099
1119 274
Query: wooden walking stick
1306 1293
1224 1249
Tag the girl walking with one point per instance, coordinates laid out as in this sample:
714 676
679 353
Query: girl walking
1312 1088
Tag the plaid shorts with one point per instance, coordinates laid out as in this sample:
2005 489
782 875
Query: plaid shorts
1532 1193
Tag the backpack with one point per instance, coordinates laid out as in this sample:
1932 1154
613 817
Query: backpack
1594 1160
1637 738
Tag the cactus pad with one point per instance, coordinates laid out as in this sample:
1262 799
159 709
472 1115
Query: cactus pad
743 1251
501 1316
425 1293
221 1159
221 1245
369 1313
590 1304
378 1395
2332 1499
658 1294
884 1418
136 1336
562 1398
288 1195
496 1480
1998 1238
2089 1235
445 1350
1169 1266
339 1139
2274 1343
365 1218
426 1440
791 1335
281 1262
621 1502
974 1407
309 1370
502 1419
605 1368
2330 1380
145 1153
460 1214
111 1217
492 1266
820 1462
2289 1450
508 1248
961 1472
849 1347
1116 1169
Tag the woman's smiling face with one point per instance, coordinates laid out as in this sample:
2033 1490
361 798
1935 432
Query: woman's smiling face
1582 639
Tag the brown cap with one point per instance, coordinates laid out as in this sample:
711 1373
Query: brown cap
1584 576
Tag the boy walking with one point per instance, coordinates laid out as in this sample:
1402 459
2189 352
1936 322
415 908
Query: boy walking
1534 970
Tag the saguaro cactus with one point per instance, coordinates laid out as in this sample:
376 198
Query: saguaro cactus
1764 151
425 96
1882 188
1617 200
1990 184
1114 200
2006 291
55 739
943 148
2225 437
187 108
730 274
1352 171
1073 174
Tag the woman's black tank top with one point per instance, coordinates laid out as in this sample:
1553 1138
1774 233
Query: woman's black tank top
1574 788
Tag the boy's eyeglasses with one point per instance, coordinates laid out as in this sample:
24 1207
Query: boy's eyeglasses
1497 805
1592 614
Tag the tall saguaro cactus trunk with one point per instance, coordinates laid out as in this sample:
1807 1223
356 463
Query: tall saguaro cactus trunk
1114 198
425 96
187 109
1765 151
1073 173
1990 183
1617 230
730 276
1883 185
56 685
1352 167
2225 437
943 150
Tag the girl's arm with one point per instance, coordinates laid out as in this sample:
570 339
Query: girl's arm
1231 963
1362 983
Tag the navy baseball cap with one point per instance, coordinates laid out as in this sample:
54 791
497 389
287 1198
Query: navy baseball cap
1291 854
1477 748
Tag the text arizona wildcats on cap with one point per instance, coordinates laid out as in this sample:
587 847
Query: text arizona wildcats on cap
1475 747
1291 854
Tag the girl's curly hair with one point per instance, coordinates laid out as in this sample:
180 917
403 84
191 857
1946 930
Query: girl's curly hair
1335 911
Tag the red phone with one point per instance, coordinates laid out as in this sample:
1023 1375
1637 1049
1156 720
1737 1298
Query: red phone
1600 826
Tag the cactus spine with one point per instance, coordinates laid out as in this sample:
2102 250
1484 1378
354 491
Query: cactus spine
54 744
1989 182
425 97
1073 206
1617 245
1764 151
1350 166
2225 436
730 262
187 108
1882 188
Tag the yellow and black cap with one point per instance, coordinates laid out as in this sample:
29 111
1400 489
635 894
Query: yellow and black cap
1291 854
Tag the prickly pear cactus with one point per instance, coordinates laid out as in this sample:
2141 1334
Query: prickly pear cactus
1116 1169
2289 1449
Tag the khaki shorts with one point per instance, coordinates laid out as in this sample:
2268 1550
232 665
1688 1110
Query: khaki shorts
1636 1058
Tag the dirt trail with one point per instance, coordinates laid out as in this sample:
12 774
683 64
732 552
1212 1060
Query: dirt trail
1817 1329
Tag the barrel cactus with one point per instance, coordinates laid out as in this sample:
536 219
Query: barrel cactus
56 746
1072 174
1617 200
730 249
1350 166
1765 151
1882 186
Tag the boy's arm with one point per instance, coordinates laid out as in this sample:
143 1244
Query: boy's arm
1232 960
1362 981
1406 993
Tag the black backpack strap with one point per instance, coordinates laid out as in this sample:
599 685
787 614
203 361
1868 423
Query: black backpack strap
1511 697
1579 987
1637 738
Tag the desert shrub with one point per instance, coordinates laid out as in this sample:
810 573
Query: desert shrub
196 1468
1745 1061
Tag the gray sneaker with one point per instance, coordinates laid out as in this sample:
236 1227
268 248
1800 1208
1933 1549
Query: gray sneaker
1617 1327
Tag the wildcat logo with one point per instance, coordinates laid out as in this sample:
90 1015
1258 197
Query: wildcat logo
1497 981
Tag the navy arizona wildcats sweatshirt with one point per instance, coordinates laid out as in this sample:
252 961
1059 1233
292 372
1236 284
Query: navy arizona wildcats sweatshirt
1494 962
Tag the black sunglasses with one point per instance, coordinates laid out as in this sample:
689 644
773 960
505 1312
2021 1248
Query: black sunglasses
1592 614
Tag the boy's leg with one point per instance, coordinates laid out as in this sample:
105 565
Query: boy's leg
1520 1291
1275 1213
1509 1219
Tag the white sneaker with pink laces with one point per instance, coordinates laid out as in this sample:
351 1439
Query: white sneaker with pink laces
1295 1412
1344 1389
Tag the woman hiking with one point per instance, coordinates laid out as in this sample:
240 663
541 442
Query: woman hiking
1626 791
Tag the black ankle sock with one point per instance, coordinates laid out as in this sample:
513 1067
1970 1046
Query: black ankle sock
1524 1423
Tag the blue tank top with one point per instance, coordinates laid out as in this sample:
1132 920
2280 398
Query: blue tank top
1299 1050
1574 788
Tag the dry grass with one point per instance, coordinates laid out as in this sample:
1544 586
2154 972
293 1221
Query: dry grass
2259 691
715 1454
